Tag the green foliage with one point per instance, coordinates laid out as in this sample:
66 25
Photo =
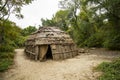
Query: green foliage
27 31
10 34
19 42
4 64
14 36
83 31
111 70
8 7
6 55
109 9
6 48
6 59
59 20
94 25
95 40
48 22
113 40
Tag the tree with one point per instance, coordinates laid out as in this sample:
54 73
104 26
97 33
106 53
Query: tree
108 8
11 34
83 25
108 17
48 22
12 6
66 17
98 23
6 8
72 6
27 31
61 19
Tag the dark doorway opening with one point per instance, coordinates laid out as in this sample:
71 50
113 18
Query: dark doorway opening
38 53
49 53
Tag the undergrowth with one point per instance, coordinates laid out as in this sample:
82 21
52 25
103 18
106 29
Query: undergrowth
6 59
111 70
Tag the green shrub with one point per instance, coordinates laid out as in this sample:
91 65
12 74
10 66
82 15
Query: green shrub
6 59
112 41
20 41
4 64
7 55
96 40
6 48
111 70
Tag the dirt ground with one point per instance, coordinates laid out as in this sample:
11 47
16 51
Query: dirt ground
77 68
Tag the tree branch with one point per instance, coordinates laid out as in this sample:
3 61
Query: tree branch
4 5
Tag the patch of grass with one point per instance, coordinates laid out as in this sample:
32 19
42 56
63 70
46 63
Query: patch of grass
6 59
111 70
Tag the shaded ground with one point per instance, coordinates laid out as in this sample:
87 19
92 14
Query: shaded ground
77 68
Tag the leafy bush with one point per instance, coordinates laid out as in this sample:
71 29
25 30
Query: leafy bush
113 40
6 59
20 41
111 70
96 40
4 64
7 55
27 31
81 33
6 48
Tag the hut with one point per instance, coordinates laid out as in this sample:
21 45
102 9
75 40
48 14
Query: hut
50 43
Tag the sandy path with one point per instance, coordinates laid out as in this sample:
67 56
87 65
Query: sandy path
78 68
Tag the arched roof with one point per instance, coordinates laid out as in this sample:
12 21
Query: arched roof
50 35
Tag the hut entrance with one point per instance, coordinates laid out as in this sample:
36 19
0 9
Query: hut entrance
45 52
49 53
